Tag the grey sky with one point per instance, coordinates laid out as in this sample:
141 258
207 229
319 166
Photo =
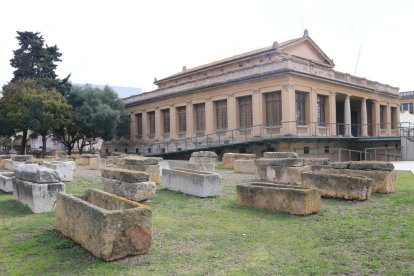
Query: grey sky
128 43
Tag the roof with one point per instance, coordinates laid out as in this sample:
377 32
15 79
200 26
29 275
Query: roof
279 47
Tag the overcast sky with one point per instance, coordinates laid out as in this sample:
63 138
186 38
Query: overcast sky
128 43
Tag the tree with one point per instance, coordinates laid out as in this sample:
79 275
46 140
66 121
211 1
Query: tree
35 60
97 113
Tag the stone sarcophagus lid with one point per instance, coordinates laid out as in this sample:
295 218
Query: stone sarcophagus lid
37 186
229 158
65 168
279 198
382 173
338 185
6 181
196 183
109 226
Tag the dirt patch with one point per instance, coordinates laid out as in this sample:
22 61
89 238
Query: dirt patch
23 236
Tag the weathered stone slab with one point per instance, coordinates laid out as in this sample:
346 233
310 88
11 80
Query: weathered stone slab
204 167
196 183
371 166
280 155
321 168
245 166
280 198
340 165
154 173
281 174
139 160
203 157
316 161
10 165
228 159
6 182
139 191
288 162
39 197
383 181
65 168
109 226
125 175
338 185
21 158
37 174
2 157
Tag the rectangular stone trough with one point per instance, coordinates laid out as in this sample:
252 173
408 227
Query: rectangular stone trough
338 185
109 226
6 182
279 198
196 183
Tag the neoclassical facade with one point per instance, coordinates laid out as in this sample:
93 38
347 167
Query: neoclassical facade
282 92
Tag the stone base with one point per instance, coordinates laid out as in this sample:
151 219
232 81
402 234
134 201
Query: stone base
139 191
245 166
6 182
338 185
196 183
280 198
39 198
109 226
281 174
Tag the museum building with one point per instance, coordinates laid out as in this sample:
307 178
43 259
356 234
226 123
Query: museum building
283 97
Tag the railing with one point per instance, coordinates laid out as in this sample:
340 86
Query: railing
383 154
334 154
269 132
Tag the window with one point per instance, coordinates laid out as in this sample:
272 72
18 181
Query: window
200 117
301 108
245 112
149 150
126 150
321 106
273 106
407 107
383 113
182 119
393 117
139 125
166 120
221 114
151 120
326 149
137 150
306 150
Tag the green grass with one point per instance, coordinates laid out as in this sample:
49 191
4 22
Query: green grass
216 236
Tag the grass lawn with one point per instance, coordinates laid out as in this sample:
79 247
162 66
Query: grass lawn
215 236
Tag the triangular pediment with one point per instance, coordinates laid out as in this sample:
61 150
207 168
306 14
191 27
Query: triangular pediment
306 48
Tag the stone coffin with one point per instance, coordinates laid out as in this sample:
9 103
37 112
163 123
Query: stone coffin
125 175
273 155
109 226
6 182
203 157
228 159
65 168
338 185
281 198
146 164
196 183
39 197
138 191
10 165
204 167
245 166
37 174
280 174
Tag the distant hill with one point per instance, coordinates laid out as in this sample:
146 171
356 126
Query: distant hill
122 91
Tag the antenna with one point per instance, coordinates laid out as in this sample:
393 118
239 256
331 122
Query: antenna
356 65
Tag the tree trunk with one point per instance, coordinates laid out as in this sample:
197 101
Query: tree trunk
24 142
44 139
70 150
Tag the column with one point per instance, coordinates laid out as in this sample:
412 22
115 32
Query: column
209 116
332 113
158 124
313 111
257 109
231 115
288 110
133 128
190 119
364 117
388 119
347 115
376 118
145 126
173 122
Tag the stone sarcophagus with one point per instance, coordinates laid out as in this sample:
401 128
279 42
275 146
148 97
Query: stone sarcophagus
245 166
229 158
382 173
65 168
6 181
196 183
203 157
133 185
176 164
279 198
109 226
150 165
281 170
338 185
37 186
